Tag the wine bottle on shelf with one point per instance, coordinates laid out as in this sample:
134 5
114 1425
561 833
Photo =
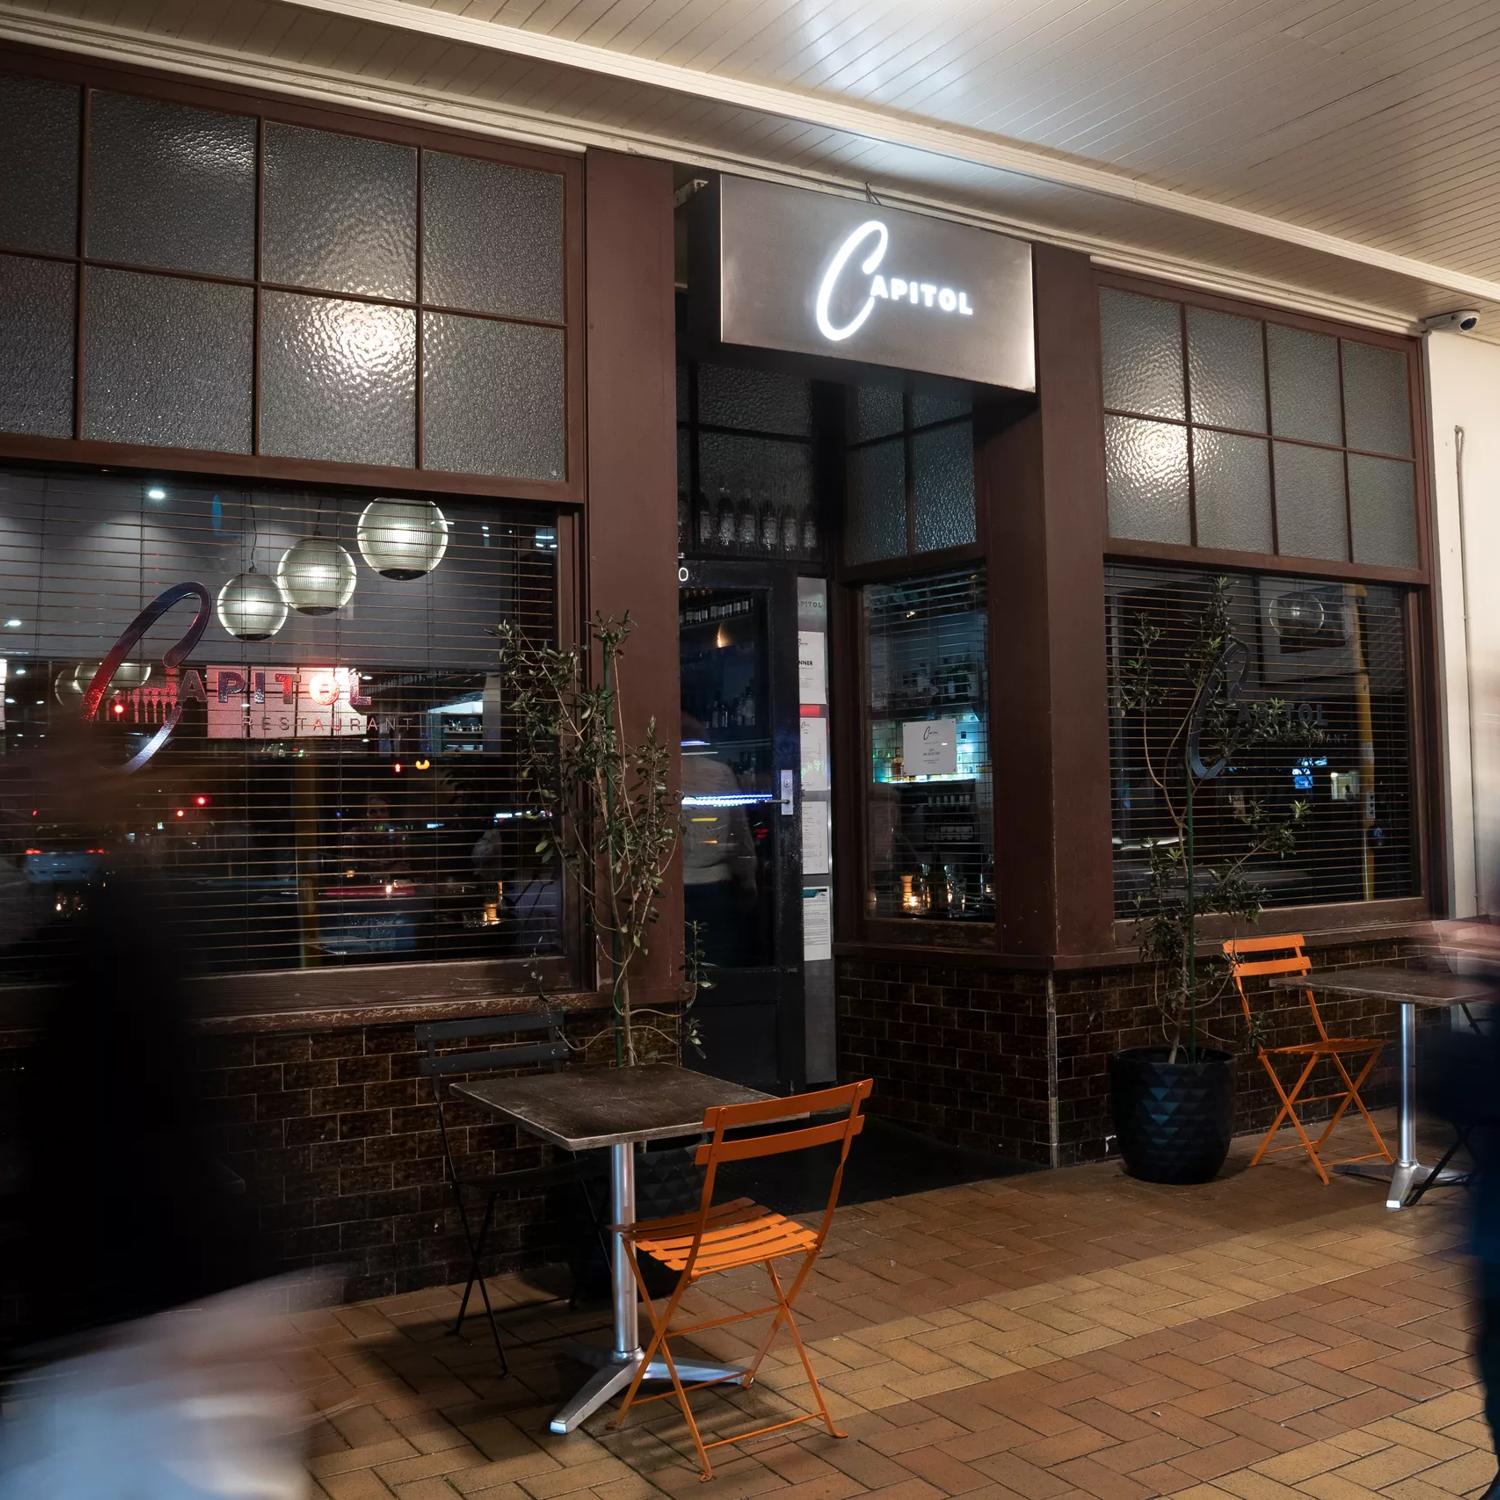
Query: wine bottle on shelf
748 534
724 532
791 530
811 542
770 525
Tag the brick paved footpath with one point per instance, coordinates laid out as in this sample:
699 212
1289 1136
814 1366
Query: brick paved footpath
1063 1334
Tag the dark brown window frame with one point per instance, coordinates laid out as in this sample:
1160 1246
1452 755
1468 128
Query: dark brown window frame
231 99
1273 562
1431 832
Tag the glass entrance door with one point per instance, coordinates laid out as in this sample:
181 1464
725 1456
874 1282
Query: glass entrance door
740 796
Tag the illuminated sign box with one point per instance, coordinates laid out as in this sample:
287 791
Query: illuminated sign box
780 268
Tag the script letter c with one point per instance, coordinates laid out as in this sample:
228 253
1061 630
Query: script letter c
870 229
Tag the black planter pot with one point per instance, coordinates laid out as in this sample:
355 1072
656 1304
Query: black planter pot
1173 1120
667 1181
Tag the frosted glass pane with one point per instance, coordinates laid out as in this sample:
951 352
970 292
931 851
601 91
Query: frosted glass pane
492 237
1226 370
171 186
39 167
338 380
939 406
760 399
1141 342
492 397
875 526
1311 518
736 462
166 361
1232 491
36 333
943 481
1146 473
1377 409
877 411
340 213
1304 384
1383 507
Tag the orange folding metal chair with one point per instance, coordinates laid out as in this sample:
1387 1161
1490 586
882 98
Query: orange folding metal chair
727 1236
1284 955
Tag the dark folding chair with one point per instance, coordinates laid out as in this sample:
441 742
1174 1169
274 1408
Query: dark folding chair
440 1067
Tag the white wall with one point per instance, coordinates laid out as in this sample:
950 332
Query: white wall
1464 389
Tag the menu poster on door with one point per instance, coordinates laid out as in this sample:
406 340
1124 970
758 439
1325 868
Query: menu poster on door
817 924
815 755
812 672
929 747
814 838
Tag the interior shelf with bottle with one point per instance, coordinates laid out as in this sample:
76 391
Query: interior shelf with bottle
930 830
746 466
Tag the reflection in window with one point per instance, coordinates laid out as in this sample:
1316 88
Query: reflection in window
1336 655
343 791
929 805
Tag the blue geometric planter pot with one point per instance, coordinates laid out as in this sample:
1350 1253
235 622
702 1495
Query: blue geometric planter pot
1173 1121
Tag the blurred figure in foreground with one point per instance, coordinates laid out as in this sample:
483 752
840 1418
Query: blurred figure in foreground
136 1380
1463 1087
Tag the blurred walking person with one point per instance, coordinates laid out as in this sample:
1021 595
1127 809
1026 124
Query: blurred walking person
143 1370
1464 1089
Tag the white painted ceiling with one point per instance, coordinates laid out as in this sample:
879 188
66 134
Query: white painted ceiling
1336 154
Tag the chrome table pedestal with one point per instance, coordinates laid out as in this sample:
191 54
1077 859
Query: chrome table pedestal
617 1365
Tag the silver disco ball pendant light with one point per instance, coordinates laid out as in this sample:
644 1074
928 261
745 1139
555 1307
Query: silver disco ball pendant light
402 539
316 576
250 606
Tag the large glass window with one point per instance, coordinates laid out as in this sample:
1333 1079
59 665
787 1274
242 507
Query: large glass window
330 784
215 281
929 804
1335 655
909 473
1241 434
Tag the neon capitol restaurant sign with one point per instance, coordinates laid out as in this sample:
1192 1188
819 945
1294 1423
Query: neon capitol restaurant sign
911 289
789 269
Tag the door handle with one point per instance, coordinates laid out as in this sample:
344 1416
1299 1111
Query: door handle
788 793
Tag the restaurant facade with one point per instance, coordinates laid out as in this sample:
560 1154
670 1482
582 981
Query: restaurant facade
303 402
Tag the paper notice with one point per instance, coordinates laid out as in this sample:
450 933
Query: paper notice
929 747
817 925
812 670
814 838
815 755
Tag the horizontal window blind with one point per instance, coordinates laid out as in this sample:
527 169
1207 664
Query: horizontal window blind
929 800
343 792
1335 655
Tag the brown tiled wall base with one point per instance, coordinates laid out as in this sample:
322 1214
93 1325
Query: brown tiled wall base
982 1057
337 1138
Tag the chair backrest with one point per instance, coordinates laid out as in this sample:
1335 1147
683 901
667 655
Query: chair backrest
436 1066
434 1034
1268 957
844 1103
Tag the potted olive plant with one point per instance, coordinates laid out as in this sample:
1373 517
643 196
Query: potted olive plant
605 813
1173 1103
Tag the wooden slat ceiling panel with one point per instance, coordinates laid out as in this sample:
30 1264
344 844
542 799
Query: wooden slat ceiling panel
1374 120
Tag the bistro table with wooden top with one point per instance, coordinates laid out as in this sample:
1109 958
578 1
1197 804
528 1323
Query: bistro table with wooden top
581 1109
1410 990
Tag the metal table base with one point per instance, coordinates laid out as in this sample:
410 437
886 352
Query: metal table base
1407 1171
619 1363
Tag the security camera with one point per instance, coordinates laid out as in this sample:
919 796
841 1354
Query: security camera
1465 320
